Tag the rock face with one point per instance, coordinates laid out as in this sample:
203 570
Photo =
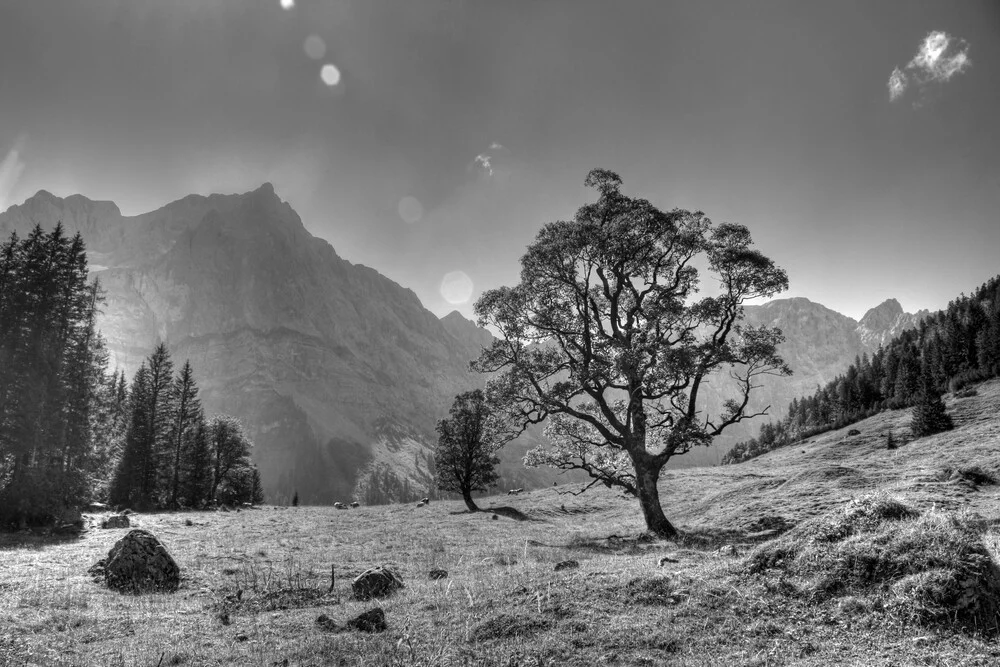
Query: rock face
139 563
886 321
376 582
337 370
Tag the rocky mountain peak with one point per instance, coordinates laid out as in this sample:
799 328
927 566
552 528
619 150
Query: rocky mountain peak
882 315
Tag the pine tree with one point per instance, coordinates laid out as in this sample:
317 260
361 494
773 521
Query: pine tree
295 499
929 413
132 484
197 468
161 413
187 416
890 442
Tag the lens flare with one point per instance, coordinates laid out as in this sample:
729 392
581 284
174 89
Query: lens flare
456 287
314 47
410 209
287 4
330 74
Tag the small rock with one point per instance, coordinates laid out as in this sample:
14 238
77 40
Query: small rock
126 512
567 565
326 623
854 431
438 574
728 550
188 522
116 521
667 559
241 638
375 582
495 517
372 620
224 618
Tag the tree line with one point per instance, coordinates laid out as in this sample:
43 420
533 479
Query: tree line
946 352
70 432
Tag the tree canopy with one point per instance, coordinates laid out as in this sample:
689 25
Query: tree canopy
605 339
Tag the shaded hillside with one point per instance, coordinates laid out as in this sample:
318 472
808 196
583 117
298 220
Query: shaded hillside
948 350
820 344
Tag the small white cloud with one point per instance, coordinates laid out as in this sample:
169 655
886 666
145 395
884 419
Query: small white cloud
11 168
939 58
897 84
485 163
497 146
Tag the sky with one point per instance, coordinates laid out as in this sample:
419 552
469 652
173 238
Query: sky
431 139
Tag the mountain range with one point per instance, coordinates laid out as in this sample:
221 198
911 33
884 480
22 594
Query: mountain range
338 371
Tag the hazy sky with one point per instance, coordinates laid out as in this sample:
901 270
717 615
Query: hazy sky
859 141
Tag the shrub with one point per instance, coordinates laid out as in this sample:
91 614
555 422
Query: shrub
931 569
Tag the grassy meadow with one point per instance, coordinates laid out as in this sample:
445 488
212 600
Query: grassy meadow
254 582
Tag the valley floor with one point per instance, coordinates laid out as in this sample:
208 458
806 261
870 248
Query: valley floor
503 603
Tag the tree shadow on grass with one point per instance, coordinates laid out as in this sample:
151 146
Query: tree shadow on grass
26 540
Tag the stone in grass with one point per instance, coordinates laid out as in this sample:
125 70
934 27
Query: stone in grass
567 565
326 623
116 521
372 620
438 574
139 563
376 582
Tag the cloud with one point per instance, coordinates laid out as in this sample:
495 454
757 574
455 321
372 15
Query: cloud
492 163
939 58
10 172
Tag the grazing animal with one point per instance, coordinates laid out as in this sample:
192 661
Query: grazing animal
340 506
355 504
420 504
514 492
425 501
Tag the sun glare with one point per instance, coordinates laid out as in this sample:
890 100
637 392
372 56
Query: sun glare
287 4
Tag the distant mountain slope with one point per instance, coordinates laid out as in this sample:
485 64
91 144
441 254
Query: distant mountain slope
336 369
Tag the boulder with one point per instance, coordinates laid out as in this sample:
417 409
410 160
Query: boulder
375 582
139 563
567 565
326 623
116 521
438 574
372 620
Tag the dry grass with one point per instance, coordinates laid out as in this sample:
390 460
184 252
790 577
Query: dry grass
503 604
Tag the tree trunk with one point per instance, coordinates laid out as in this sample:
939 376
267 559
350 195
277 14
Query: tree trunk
646 476
469 502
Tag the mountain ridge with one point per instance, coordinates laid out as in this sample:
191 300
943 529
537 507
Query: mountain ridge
318 354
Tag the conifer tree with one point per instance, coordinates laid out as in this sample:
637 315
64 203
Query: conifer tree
197 468
187 417
929 413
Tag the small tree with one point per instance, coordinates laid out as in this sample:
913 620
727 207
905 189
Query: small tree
890 442
295 499
465 457
929 413
605 339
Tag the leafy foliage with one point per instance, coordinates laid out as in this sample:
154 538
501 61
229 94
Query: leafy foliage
604 338
465 456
